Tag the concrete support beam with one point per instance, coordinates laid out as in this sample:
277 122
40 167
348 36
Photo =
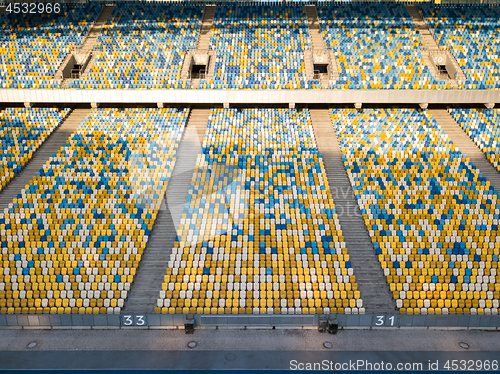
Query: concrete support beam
234 97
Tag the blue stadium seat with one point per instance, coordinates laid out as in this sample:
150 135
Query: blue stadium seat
73 238
432 216
259 233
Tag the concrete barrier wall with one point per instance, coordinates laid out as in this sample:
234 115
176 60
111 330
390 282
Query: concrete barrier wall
144 321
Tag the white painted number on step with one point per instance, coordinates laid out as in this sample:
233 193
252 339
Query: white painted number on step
128 320
384 320
134 320
140 320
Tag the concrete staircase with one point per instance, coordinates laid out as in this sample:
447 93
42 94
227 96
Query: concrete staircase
308 64
431 45
369 275
65 83
211 66
460 74
96 30
59 72
199 120
334 72
90 64
194 83
144 291
202 48
186 65
86 48
421 27
318 46
467 146
427 39
147 283
314 29
51 145
187 156
206 27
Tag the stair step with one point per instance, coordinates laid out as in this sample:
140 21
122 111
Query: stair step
364 261
147 284
466 145
96 30
50 146
205 32
426 38
87 46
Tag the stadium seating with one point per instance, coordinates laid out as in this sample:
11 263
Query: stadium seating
377 45
483 126
33 46
471 33
432 217
259 46
259 233
22 131
143 46
73 238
